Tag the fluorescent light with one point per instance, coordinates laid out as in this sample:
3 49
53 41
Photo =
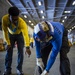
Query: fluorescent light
72 27
62 20
39 3
65 17
67 11
29 21
32 24
25 16
69 31
9 2
43 17
73 3
41 11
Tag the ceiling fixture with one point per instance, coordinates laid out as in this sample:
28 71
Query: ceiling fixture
43 17
62 20
39 3
41 11
72 27
73 3
9 3
25 16
65 17
29 21
67 11
69 30
32 24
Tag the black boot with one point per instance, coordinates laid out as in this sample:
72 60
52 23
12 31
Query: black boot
7 72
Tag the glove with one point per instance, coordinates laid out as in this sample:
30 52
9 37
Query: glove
40 63
44 72
28 51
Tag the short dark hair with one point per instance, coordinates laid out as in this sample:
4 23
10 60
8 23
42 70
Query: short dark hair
13 11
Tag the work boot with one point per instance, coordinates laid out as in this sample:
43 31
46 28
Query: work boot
20 72
7 72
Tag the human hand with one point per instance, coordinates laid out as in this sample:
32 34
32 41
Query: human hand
44 72
8 47
40 63
28 51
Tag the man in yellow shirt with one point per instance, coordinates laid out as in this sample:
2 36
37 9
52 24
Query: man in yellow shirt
15 30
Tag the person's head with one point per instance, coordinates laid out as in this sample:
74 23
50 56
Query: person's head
42 31
13 13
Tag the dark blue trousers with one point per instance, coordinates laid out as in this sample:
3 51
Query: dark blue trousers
20 45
